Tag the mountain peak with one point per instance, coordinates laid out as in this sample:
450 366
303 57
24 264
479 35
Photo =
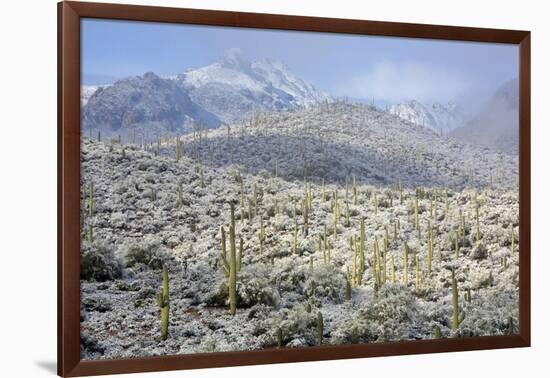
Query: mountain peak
234 58
435 116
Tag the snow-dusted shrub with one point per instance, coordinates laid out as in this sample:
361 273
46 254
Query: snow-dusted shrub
297 326
288 275
98 262
253 286
390 315
325 282
148 253
489 313
479 251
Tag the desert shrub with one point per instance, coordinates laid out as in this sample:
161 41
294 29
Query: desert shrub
390 315
149 253
98 263
297 326
288 276
253 287
488 314
325 282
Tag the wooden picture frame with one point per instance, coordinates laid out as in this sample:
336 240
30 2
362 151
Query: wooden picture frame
69 16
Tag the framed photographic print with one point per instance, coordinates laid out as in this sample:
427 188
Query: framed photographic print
239 188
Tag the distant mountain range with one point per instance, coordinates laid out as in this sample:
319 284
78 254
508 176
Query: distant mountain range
497 124
224 92
235 88
437 117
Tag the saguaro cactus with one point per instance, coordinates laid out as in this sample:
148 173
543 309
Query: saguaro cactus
361 250
319 328
478 235
240 258
354 191
261 236
353 246
457 319
90 233
295 239
416 215
91 204
306 219
430 249
232 266
405 265
163 301
417 283
513 239
242 201
392 270
437 332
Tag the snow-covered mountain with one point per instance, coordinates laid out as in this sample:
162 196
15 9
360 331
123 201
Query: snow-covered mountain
440 118
223 92
236 87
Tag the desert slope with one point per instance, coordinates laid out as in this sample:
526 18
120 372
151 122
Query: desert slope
145 206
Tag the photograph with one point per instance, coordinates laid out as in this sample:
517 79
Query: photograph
247 189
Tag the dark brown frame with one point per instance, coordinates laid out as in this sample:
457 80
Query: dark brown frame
69 15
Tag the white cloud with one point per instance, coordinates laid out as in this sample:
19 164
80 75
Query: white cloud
394 82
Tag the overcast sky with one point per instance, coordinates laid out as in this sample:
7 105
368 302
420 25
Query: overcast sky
384 68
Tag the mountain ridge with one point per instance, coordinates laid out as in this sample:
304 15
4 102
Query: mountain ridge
435 116
223 92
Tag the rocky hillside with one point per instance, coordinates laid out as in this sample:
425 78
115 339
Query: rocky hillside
440 118
145 105
329 245
497 124
338 140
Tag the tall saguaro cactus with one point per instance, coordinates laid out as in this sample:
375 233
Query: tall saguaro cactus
361 250
430 249
513 239
261 236
416 216
319 328
163 301
457 319
405 265
478 234
91 204
232 265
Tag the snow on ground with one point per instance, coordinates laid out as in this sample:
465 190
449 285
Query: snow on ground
137 225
